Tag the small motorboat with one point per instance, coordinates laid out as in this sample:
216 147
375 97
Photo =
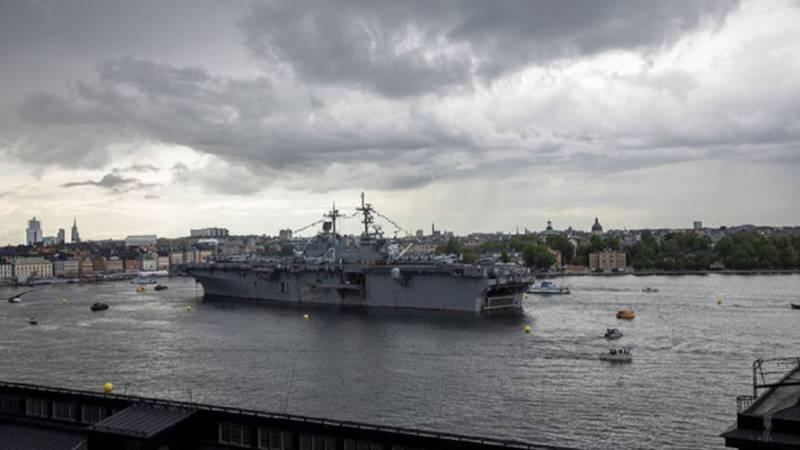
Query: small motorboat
99 306
160 287
613 333
140 289
650 290
33 321
795 305
17 298
626 314
547 288
617 355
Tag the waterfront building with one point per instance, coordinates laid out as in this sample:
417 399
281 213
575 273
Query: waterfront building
163 262
131 265
145 240
607 261
176 258
114 265
85 266
45 417
61 237
26 268
99 264
209 233
33 234
148 263
6 271
76 237
596 227
66 268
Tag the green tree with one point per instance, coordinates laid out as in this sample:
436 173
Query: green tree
563 246
538 257
452 247
469 257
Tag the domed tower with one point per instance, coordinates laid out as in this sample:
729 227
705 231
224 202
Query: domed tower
597 228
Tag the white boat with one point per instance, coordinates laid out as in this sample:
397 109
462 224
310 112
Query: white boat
617 355
17 298
613 333
548 287
143 280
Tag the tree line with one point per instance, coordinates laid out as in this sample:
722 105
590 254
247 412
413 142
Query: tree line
677 251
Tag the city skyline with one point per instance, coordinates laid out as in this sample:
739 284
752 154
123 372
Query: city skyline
355 227
157 118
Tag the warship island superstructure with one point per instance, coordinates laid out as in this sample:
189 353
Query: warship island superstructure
367 271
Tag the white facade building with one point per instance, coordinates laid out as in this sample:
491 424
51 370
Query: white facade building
149 263
34 267
6 271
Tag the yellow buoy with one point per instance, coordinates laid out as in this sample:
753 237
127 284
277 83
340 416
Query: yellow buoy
189 308
108 387
527 329
719 301
306 317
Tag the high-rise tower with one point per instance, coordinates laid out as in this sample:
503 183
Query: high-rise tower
76 237
33 235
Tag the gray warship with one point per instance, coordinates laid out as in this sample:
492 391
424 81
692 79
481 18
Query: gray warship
366 271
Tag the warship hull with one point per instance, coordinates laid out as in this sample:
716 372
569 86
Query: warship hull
420 287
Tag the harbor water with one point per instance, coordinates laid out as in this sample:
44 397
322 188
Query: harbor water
437 371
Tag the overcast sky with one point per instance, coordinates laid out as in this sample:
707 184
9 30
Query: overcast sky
158 117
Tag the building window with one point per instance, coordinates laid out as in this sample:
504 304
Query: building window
230 433
64 411
317 442
10 404
37 407
92 414
351 444
270 439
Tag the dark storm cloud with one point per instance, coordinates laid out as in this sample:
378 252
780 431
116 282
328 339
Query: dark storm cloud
247 121
109 181
419 46
112 182
137 168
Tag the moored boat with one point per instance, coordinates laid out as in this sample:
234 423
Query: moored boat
160 287
144 279
368 270
626 314
548 287
795 305
99 306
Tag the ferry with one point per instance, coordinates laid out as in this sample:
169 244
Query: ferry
547 288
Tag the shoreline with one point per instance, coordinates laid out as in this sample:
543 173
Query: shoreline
671 273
